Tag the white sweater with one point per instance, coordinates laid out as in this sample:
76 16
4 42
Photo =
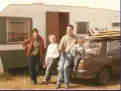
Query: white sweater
52 51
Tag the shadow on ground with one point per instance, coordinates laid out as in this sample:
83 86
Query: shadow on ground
23 71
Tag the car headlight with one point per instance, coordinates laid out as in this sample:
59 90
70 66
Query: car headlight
81 61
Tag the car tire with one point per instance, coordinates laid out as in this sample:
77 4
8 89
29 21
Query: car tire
104 76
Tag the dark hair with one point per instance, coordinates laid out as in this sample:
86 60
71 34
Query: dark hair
35 30
72 27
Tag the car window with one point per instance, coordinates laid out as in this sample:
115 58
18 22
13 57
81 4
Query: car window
92 48
113 47
92 44
95 45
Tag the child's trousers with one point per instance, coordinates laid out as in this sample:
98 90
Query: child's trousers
48 74
76 62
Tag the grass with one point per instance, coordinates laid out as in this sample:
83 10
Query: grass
21 81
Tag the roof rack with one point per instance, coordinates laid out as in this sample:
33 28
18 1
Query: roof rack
105 35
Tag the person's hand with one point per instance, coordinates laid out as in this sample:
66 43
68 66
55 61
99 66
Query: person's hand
27 45
44 66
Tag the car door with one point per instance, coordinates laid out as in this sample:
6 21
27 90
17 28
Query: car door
92 57
113 52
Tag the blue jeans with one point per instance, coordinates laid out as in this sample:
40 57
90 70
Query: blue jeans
65 61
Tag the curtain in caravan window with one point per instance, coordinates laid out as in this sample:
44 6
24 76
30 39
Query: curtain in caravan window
116 24
17 29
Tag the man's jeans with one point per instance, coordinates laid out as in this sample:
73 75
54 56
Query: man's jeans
65 61
34 66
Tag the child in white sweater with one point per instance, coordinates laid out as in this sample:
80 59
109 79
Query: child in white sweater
51 56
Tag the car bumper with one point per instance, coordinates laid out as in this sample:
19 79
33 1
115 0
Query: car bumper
82 74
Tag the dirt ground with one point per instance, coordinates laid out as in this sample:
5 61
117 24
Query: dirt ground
21 81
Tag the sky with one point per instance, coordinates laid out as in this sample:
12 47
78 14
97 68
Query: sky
103 4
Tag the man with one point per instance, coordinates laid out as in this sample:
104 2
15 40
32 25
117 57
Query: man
66 43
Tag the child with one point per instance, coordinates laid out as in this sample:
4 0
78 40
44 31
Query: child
77 52
51 56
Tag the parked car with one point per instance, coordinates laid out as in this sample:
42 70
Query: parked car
102 60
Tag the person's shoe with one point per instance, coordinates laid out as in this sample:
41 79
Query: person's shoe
49 82
33 82
66 86
36 82
58 86
44 83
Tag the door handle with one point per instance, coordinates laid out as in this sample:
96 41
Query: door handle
109 57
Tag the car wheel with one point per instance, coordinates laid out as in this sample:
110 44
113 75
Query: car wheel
104 76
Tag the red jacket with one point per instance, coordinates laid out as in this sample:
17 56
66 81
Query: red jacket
28 45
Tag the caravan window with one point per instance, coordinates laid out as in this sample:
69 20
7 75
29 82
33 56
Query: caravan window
82 27
18 29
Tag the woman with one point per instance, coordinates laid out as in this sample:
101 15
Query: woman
34 47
